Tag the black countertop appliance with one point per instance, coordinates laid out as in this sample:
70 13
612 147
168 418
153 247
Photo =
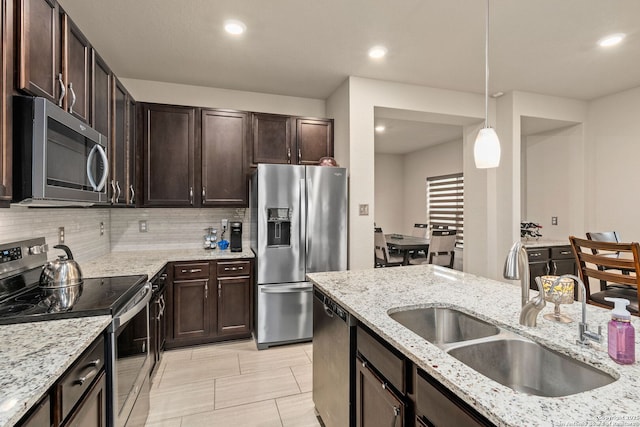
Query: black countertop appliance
236 237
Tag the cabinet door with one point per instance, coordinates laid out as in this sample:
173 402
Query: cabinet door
101 95
314 140
76 62
168 155
566 266
191 317
234 305
537 269
271 139
131 151
92 410
39 46
224 177
6 102
376 405
119 146
40 416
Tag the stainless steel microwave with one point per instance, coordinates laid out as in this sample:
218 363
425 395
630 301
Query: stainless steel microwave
58 160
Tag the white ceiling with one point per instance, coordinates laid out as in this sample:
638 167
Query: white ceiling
308 48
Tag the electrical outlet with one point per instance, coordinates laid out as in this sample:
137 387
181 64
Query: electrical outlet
364 210
101 228
224 223
60 235
142 226
554 220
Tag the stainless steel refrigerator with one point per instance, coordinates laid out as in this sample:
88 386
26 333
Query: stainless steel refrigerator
298 226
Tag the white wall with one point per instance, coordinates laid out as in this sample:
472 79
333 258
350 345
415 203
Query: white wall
364 96
550 183
441 159
389 192
200 96
613 143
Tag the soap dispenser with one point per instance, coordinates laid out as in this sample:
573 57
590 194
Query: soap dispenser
622 346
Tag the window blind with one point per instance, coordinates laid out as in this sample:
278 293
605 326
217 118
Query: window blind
445 203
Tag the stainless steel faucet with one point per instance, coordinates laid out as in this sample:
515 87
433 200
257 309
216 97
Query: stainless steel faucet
584 334
516 266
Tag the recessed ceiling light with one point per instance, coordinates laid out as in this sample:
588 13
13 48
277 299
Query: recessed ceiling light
380 128
611 40
377 52
234 27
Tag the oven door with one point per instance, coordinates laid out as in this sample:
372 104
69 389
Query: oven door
130 364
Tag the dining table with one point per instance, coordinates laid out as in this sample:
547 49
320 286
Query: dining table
406 244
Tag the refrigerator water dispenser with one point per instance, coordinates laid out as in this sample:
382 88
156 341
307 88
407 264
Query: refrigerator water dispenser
278 227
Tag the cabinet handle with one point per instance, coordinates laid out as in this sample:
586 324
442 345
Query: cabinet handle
191 195
73 97
219 290
299 155
289 154
63 90
133 194
193 270
90 374
565 252
554 267
119 191
233 268
113 191
547 268
396 414
204 194
206 289
535 254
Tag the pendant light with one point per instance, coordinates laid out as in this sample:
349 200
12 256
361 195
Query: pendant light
486 150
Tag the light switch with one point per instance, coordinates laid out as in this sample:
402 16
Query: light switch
364 210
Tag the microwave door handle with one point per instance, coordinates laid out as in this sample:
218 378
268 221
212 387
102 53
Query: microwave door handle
103 179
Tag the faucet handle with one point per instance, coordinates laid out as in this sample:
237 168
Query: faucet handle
585 335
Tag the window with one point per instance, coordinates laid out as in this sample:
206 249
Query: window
445 203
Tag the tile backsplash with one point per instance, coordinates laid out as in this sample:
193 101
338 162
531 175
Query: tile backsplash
171 228
167 228
81 227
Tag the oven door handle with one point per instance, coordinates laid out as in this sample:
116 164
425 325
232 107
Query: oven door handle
129 314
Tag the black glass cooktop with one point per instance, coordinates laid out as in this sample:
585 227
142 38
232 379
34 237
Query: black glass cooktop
29 303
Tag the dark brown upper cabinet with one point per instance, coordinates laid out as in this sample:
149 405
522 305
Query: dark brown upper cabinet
76 70
224 165
314 139
168 154
271 139
39 69
119 144
6 92
101 95
290 140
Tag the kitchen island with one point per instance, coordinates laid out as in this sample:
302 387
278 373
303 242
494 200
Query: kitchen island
369 295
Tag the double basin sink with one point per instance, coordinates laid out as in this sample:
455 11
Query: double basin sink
507 358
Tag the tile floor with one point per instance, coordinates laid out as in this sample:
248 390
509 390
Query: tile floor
234 384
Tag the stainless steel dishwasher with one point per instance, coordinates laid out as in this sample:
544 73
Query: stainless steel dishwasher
333 361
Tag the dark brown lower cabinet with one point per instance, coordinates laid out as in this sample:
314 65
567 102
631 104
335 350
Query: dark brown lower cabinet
209 301
435 405
40 416
92 410
376 404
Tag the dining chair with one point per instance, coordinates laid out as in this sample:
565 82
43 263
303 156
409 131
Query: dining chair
595 262
420 230
382 256
606 236
441 248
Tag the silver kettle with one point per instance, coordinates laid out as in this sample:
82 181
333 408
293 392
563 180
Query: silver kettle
62 272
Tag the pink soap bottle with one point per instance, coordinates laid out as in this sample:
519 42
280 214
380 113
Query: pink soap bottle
622 346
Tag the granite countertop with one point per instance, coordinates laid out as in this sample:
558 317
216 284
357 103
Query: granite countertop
34 355
542 242
370 294
150 262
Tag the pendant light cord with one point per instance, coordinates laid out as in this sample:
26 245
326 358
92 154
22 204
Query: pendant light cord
486 71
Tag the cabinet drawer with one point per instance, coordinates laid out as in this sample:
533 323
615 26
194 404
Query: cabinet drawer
191 270
437 406
81 375
538 254
234 268
561 252
391 366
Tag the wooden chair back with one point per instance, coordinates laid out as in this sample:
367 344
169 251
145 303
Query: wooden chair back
594 260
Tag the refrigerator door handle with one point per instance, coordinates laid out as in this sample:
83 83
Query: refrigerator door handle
286 290
303 220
